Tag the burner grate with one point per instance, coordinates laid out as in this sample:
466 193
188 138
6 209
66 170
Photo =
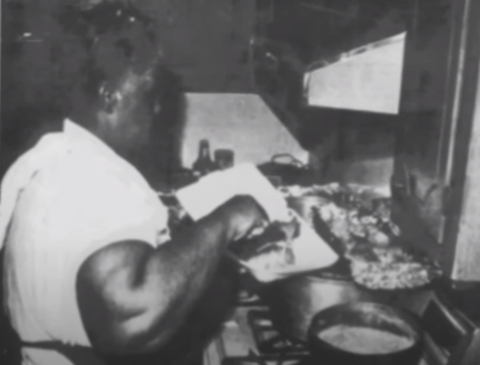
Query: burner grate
269 347
269 341
256 359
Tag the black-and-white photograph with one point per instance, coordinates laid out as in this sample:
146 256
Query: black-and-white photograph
240 182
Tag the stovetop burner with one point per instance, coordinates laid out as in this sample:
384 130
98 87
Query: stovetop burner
269 341
270 347
255 359
446 333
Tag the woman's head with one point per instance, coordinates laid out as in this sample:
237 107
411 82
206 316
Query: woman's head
127 95
141 117
102 67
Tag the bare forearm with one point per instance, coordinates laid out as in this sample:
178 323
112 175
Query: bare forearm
183 268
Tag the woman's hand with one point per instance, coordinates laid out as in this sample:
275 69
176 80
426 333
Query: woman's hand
247 218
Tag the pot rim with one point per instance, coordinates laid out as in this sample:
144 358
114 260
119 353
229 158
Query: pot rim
404 315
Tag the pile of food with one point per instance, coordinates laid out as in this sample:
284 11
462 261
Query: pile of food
352 212
393 268
361 222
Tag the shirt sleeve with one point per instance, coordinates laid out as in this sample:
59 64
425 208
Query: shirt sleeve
104 207
89 212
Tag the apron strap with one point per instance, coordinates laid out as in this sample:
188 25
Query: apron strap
78 355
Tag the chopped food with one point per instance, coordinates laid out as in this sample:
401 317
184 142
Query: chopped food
337 220
392 269
278 255
274 244
352 213
364 340
284 249
349 225
362 223
400 275
376 236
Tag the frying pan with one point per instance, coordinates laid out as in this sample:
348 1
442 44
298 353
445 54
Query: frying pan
366 315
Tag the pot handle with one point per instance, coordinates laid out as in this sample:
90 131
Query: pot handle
292 160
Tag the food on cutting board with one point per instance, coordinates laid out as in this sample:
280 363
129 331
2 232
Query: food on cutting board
361 222
284 249
350 212
349 225
271 248
278 255
364 340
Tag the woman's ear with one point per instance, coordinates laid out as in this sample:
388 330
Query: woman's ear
109 99
107 112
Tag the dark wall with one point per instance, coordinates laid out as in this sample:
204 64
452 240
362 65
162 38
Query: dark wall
44 54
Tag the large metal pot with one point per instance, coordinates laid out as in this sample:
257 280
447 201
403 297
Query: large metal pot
294 301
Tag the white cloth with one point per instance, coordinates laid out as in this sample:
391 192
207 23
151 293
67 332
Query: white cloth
203 197
61 201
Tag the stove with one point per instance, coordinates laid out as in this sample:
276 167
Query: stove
250 337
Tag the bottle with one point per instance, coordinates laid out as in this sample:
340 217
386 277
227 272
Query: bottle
204 164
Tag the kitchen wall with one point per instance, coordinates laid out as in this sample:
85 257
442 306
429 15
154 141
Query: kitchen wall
242 122
351 147
207 42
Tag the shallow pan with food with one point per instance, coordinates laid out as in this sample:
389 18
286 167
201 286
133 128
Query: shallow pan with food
365 333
